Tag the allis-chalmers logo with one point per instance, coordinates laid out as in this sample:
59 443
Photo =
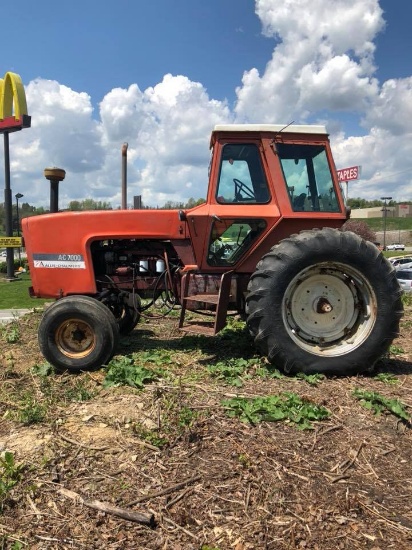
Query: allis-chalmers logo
13 105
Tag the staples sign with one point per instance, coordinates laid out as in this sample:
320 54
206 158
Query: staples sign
347 174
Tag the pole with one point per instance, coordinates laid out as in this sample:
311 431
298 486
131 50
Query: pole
124 176
384 219
18 196
8 205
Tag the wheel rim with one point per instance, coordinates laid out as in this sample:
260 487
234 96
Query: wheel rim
329 309
75 338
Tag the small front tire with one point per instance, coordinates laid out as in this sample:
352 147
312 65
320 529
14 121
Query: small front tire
78 333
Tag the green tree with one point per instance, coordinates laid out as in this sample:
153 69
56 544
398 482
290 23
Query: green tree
89 204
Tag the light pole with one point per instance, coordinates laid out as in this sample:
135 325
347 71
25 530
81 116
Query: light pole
18 196
384 219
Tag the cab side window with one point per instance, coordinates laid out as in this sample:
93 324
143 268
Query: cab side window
241 177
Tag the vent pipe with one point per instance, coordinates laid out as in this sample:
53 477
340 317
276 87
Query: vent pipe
124 176
55 176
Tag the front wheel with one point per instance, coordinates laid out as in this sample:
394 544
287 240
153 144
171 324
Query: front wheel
324 301
78 333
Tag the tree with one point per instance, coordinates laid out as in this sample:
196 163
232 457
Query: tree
360 228
89 204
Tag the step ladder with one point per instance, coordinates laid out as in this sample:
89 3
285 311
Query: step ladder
220 300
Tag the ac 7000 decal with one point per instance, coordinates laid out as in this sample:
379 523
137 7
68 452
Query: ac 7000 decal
59 261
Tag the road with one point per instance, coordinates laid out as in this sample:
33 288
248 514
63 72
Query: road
8 315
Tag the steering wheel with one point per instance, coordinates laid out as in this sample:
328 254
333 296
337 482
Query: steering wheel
245 189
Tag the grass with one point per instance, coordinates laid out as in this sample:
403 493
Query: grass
15 294
392 224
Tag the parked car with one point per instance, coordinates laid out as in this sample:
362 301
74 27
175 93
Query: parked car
404 277
395 246
402 263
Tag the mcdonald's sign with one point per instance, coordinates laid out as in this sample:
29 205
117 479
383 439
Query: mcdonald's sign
13 105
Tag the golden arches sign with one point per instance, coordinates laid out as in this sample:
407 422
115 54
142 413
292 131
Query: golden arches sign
13 105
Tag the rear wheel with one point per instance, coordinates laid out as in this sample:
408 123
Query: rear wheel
324 301
78 333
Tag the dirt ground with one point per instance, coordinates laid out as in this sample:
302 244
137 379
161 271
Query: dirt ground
165 467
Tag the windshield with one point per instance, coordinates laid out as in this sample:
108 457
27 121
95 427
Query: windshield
308 178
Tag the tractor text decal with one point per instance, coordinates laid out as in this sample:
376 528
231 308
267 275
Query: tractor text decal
59 261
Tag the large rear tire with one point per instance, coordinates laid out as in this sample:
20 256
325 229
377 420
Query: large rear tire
324 301
78 333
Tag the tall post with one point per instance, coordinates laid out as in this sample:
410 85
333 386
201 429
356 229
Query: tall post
124 176
384 219
18 196
8 205
55 176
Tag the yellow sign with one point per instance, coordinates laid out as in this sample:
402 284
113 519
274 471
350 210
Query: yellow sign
10 242
12 93
13 105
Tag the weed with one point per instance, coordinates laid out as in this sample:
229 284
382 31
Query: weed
79 393
11 332
187 416
396 350
32 413
244 461
311 379
45 369
231 371
10 474
269 372
287 406
123 371
407 298
377 403
387 378
150 436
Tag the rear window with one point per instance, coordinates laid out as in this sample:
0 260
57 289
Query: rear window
406 275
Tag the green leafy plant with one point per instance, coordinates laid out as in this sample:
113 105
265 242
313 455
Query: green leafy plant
187 416
377 403
45 369
286 406
124 371
32 412
150 436
311 379
396 350
11 332
387 378
231 371
10 473
79 392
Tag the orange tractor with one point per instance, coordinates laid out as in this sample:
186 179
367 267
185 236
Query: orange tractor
315 300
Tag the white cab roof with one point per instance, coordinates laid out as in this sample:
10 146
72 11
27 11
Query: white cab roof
295 128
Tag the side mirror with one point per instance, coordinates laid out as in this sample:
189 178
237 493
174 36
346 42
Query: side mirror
182 216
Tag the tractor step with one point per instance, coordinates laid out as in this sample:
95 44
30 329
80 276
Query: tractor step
219 299
206 329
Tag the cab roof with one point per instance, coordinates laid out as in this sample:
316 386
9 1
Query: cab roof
269 128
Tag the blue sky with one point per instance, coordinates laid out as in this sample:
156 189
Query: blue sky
160 74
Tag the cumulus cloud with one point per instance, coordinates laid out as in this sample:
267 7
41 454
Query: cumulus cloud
322 70
323 60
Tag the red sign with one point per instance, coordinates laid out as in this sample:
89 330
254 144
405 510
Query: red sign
347 174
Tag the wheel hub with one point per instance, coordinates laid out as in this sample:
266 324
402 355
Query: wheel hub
327 306
75 338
